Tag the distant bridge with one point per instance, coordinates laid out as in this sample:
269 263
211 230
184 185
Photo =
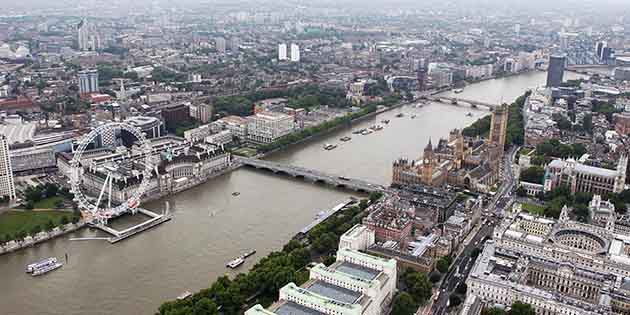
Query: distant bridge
457 101
313 175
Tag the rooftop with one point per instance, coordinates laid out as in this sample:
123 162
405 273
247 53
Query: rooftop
358 271
334 292
290 308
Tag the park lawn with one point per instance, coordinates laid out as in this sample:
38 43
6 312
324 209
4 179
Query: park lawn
48 203
534 209
12 222
247 152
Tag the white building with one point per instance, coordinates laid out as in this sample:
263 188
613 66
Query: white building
235 124
7 186
197 134
295 53
359 237
87 37
267 127
356 284
220 44
88 81
221 138
201 112
282 52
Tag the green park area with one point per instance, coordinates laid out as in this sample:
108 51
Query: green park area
18 224
534 208
49 203
246 152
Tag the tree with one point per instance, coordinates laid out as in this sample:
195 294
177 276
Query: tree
50 225
36 229
435 277
475 253
521 192
461 288
493 311
403 304
534 174
520 308
418 285
300 257
442 265
455 300
64 220
205 306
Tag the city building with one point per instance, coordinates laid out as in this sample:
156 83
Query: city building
87 37
201 112
356 284
198 134
556 266
88 81
221 138
220 44
470 163
151 127
267 127
175 115
555 71
622 123
7 186
32 160
236 125
580 177
295 53
282 52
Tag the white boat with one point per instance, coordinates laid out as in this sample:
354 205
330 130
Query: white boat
366 132
40 264
46 269
184 295
235 263
458 91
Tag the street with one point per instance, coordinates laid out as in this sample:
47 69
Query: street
463 262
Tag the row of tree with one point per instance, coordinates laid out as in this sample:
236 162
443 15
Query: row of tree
308 132
517 308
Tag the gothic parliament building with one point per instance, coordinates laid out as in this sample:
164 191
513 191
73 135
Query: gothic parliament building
468 162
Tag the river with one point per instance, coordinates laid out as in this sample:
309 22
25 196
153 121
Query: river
210 226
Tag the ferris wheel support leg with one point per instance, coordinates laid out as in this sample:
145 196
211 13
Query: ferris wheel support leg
109 202
100 196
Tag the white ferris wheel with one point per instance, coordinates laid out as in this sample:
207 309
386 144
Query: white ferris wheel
105 206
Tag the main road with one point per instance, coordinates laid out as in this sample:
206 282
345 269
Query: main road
459 270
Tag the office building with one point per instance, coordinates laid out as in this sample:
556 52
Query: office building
557 266
555 72
87 37
282 52
88 81
201 112
295 53
220 44
267 127
7 186
356 284
175 115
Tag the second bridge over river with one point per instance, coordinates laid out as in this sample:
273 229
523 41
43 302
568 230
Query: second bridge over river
313 175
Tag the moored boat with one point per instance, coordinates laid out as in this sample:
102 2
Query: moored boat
400 115
329 146
184 295
235 263
248 253
345 139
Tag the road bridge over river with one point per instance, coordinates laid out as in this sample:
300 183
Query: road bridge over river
313 175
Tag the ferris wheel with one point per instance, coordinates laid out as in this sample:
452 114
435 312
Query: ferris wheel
88 175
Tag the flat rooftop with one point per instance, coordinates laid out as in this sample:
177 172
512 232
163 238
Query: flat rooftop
358 271
334 292
291 308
